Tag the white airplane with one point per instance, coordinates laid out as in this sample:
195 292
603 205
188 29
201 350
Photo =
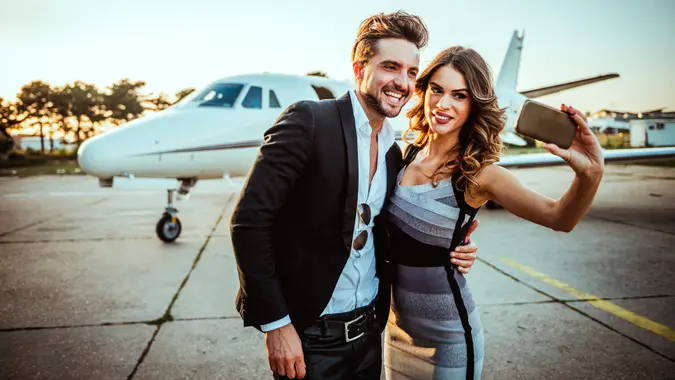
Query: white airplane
216 132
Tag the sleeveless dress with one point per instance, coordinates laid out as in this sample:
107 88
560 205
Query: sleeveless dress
434 329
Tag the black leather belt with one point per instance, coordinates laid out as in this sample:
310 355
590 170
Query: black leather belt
350 325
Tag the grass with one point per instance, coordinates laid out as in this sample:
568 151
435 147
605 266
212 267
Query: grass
48 168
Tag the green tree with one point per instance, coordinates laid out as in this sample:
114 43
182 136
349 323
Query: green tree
34 100
183 93
10 117
124 101
86 105
160 102
61 109
317 74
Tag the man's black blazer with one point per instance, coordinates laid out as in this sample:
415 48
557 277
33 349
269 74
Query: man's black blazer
293 224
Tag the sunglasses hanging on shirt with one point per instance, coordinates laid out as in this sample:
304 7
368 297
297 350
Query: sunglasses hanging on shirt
364 217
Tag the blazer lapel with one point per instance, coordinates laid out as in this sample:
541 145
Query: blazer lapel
349 131
394 164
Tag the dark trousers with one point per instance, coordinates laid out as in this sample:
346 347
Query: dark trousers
329 356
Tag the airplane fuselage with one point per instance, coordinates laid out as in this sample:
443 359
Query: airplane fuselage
191 140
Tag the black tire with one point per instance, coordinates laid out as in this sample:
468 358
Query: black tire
167 231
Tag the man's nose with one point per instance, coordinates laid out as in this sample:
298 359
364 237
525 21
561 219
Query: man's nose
402 82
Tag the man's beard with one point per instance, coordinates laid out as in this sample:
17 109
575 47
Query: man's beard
376 104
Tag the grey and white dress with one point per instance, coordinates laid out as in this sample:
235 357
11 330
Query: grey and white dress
425 336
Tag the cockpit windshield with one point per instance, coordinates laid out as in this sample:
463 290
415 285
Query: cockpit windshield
218 95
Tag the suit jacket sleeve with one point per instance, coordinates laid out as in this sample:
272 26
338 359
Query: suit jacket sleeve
281 161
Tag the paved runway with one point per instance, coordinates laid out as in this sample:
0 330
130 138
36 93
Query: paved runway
87 291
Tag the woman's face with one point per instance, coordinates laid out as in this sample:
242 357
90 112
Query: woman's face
447 102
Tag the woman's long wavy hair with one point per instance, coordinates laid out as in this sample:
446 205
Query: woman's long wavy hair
479 140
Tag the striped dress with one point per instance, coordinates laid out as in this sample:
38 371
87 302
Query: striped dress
425 338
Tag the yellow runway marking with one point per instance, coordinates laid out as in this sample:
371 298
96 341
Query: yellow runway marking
607 306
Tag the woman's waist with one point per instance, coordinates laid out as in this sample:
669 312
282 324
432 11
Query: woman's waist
406 250
427 280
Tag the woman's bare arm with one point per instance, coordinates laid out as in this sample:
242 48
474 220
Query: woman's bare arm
503 187
584 157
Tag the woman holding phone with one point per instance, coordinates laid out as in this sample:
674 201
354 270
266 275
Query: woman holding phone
434 330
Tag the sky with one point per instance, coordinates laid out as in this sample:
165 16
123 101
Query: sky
173 44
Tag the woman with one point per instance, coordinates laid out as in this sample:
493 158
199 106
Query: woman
434 330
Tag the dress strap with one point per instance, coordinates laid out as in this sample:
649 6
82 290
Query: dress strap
458 237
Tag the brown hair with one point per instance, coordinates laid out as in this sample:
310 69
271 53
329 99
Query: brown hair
479 141
392 25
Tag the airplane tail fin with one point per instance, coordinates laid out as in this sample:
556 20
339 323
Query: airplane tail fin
508 75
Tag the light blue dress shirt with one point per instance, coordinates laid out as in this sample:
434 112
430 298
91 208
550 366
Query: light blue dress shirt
358 283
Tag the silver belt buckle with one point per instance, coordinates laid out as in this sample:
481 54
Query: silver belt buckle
347 339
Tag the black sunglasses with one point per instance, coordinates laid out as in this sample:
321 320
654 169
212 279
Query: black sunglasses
364 215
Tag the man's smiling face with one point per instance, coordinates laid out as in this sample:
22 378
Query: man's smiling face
387 81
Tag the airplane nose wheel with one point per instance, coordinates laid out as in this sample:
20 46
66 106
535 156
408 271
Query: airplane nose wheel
168 227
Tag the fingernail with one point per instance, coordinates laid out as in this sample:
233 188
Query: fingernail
453 261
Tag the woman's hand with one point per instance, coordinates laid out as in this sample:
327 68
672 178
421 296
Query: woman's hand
584 156
464 256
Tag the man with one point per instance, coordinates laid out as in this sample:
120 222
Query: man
308 234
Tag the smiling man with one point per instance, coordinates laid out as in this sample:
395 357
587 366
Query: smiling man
310 243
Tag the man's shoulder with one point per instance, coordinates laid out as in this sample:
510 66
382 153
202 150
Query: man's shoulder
323 106
313 106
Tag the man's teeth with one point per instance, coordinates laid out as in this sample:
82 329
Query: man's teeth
394 95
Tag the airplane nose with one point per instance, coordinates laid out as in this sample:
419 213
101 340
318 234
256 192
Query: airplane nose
86 158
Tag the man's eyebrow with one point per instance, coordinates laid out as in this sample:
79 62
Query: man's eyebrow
390 62
397 64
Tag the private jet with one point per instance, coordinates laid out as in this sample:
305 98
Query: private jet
216 132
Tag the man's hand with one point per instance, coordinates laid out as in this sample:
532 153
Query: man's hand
284 352
465 255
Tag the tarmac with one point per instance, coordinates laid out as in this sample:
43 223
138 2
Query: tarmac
87 290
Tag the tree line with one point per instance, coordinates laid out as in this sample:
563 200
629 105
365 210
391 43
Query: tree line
79 109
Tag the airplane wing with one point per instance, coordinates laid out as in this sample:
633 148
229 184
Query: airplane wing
611 156
537 92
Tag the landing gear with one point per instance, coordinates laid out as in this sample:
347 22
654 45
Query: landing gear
168 227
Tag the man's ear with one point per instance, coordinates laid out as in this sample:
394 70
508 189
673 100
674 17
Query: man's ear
357 67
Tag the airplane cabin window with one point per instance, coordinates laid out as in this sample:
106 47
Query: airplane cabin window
274 102
219 95
253 99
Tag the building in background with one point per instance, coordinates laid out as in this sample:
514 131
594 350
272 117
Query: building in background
652 132
619 129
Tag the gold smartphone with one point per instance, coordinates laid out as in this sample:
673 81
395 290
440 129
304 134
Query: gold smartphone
547 124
